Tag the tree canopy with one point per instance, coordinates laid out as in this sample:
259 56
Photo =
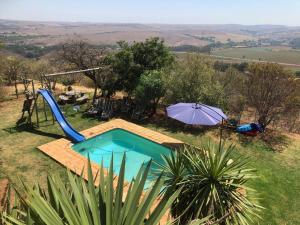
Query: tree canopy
194 80
150 89
131 61
268 87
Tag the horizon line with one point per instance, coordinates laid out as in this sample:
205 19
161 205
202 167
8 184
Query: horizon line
186 24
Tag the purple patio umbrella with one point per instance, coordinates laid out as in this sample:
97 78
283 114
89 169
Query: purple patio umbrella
196 114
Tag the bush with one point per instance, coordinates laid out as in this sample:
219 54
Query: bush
150 89
4 92
133 60
193 79
268 88
232 82
80 202
213 184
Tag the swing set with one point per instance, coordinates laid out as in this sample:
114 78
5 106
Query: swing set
30 103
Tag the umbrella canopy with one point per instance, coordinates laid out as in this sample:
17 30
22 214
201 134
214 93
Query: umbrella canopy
196 114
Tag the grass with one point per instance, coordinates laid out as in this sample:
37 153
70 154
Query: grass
281 55
279 173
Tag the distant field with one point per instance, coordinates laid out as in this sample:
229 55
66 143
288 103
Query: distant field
283 55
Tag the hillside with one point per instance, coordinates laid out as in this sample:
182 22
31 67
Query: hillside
52 33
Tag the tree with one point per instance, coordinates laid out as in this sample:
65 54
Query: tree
39 68
82 55
14 69
291 111
131 61
268 87
123 65
150 89
232 82
193 79
213 183
152 54
80 202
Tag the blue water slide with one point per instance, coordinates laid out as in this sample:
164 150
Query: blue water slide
65 126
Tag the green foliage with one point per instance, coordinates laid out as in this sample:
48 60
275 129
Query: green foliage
192 48
127 70
232 82
295 43
80 202
131 61
14 68
150 89
152 54
223 66
212 183
1 44
30 51
194 80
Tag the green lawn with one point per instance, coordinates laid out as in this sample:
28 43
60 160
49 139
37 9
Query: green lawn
269 54
279 173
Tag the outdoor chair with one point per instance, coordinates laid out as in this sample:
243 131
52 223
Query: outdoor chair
107 111
138 113
95 108
125 107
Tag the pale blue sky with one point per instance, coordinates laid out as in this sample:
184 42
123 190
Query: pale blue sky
286 12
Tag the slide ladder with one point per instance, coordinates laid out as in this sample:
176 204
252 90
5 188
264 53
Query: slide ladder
66 127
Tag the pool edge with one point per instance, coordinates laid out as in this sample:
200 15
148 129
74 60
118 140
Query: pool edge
61 151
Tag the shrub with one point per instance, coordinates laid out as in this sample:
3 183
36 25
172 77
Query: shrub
213 184
133 60
268 87
83 203
150 89
194 80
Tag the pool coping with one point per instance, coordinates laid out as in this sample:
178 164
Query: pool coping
61 151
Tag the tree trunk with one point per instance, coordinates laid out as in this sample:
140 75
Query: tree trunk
53 85
262 120
16 89
95 93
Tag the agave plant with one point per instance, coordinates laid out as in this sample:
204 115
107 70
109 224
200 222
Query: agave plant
81 203
212 184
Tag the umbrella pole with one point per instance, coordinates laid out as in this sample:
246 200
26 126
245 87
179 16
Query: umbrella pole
221 133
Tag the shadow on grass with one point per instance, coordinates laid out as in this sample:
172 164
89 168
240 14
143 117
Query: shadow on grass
31 129
170 125
269 141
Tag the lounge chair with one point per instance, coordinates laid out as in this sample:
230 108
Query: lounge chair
125 107
96 108
138 113
107 111
82 99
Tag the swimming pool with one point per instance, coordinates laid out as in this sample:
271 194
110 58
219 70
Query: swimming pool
119 141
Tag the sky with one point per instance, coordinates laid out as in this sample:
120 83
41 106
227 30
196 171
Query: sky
248 12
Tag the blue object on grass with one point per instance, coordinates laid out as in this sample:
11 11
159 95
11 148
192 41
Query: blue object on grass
249 127
65 126
244 128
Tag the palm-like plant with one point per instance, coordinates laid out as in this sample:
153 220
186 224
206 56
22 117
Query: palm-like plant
81 203
212 184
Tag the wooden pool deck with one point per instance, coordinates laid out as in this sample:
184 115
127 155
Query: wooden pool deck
61 150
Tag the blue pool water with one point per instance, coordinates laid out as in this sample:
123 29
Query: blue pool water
118 141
